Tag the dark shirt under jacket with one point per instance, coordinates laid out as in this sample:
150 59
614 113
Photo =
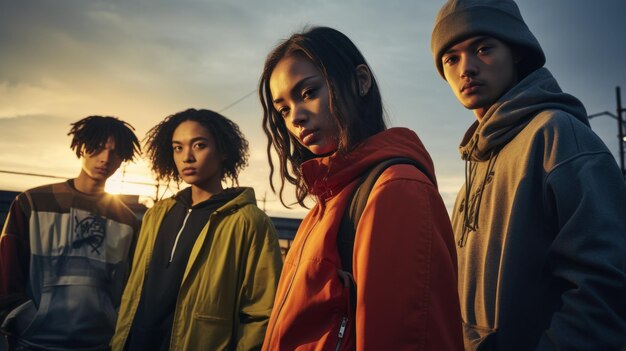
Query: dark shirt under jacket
152 325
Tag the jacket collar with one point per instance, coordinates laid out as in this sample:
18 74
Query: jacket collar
326 176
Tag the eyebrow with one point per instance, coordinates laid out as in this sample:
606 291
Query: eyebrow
477 40
101 147
297 87
191 141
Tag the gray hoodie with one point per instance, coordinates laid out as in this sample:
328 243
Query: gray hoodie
540 227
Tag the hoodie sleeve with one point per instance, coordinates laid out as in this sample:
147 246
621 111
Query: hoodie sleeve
405 267
588 196
14 258
262 270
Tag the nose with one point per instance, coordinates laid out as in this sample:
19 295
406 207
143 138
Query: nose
188 155
105 156
469 68
299 115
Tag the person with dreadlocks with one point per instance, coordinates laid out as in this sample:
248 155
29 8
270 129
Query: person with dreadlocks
65 249
207 261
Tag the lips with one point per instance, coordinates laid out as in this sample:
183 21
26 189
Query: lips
189 171
307 136
471 86
102 170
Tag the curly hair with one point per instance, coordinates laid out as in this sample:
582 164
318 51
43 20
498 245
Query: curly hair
358 117
90 134
230 142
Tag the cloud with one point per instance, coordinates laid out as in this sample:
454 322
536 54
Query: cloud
37 144
142 60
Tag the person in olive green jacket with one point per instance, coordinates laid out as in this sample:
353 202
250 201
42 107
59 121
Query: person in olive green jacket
207 261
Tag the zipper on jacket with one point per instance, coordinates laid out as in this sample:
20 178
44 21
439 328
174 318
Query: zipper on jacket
291 279
178 236
342 330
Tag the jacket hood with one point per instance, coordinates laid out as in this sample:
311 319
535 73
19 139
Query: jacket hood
326 176
240 197
538 92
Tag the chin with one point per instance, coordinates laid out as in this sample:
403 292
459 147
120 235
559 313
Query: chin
322 150
189 181
479 101
100 177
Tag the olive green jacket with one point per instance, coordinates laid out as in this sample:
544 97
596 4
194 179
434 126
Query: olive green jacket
228 288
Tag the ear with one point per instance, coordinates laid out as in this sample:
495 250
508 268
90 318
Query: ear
364 77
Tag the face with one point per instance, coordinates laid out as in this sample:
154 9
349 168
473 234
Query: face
102 163
480 70
197 159
301 96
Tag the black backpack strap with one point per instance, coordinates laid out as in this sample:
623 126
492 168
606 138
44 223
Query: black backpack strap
354 210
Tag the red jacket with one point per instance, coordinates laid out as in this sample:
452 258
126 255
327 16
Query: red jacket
404 259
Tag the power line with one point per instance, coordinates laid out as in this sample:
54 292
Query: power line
59 177
156 185
237 101
34 174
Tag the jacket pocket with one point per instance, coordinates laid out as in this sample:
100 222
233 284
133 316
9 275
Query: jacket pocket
80 314
344 332
207 332
20 319
208 318
478 338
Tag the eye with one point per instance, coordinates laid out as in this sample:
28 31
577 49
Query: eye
450 60
484 49
309 93
177 148
95 152
199 146
283 111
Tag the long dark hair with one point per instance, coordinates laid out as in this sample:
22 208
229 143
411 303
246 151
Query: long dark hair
358 117
90 134
230 142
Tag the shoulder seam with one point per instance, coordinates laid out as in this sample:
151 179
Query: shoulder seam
582 154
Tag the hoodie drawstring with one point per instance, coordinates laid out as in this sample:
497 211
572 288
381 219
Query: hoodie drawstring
470 212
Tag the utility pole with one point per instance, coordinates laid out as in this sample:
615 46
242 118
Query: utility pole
264 199
620 126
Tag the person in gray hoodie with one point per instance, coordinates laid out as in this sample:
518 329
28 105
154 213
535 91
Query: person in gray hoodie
540 223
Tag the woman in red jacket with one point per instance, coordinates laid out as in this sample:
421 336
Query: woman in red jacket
323 116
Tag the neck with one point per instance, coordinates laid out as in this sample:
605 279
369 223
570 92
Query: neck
203 193
88 185
479 113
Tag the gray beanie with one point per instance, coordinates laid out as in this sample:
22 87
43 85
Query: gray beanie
462 19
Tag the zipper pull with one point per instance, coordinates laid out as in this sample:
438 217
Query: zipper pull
342 330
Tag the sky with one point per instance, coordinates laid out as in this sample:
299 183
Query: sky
142 60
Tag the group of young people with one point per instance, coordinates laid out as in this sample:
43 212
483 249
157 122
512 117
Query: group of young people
534 257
